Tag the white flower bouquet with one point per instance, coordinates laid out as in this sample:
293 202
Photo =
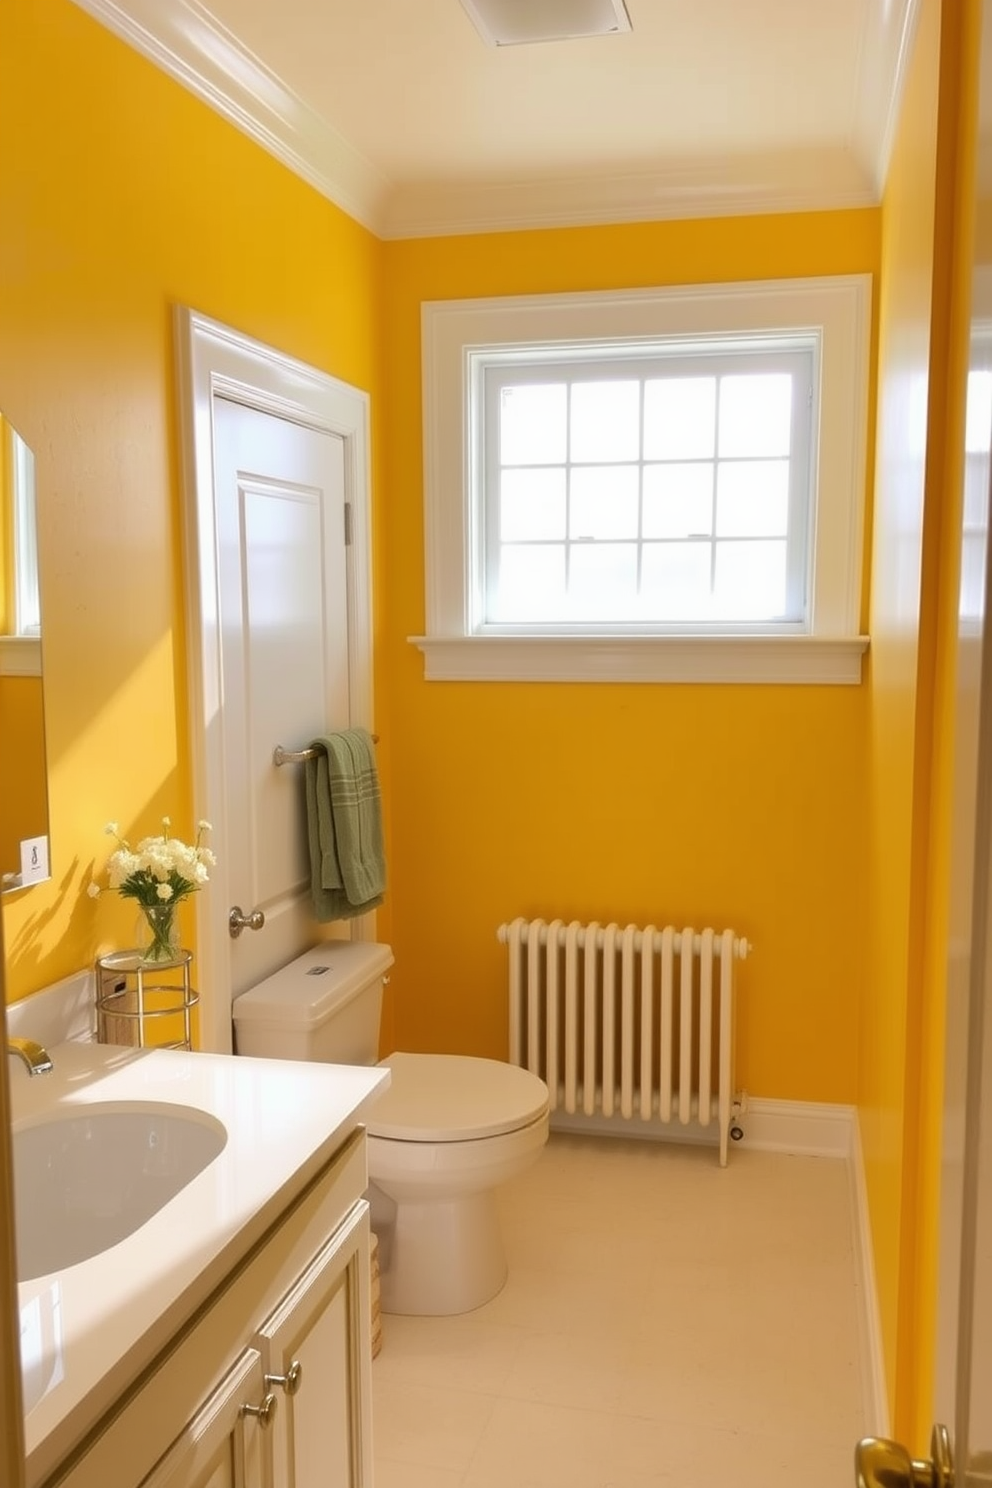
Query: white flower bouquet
159 873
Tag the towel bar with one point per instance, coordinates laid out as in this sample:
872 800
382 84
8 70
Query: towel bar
282 756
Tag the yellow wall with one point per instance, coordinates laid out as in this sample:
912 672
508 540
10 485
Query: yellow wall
23 811
921 369
699 805
903 372
122 196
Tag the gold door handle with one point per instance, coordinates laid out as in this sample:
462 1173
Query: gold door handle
880 1463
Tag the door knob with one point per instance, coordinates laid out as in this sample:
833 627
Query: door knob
263 1413
237 921
290 1381
879 1463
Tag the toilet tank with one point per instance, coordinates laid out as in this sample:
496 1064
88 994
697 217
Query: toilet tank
324 1006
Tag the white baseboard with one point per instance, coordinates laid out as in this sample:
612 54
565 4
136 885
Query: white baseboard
806 1129
803 1127
871 1354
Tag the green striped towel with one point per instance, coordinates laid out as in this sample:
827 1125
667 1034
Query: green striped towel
344 826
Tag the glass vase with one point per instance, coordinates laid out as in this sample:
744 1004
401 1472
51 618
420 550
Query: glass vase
158 934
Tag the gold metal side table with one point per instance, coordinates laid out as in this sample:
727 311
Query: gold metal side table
142 1004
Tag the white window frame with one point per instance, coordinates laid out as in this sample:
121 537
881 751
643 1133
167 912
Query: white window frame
20 651
456 333
27 601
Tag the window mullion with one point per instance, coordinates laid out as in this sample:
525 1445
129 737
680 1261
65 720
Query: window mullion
714 483
568 491
489 560
640 495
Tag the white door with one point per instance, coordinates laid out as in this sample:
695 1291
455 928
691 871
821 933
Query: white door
280 509
279 622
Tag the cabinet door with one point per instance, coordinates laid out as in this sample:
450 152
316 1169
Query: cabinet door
317 1351
221 1447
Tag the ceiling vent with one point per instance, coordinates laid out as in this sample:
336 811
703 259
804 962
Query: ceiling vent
521 22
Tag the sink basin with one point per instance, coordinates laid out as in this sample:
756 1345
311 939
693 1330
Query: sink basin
84 1180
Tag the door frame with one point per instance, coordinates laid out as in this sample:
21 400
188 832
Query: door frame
218 361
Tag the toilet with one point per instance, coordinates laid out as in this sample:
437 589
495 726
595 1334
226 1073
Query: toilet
445 1134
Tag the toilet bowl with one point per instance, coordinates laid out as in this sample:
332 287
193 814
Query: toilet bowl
444 1135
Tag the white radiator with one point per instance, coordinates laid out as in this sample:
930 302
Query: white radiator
627 1024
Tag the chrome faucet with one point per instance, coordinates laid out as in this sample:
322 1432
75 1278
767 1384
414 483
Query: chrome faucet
35 1059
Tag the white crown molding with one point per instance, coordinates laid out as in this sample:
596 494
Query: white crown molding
188 44
886 47
734 186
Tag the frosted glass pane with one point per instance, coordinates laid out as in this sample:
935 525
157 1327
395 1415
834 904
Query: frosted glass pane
752 498
978 419
532 504
532 424
755 413
531 583
602 581
678 500
675 581
606 421
679 418
750 580
971 590
604 502
976 491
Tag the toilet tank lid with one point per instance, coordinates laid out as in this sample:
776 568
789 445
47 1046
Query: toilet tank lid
303 993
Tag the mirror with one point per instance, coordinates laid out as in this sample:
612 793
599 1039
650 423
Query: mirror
24 856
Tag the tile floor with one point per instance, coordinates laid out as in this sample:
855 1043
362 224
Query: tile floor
664 1322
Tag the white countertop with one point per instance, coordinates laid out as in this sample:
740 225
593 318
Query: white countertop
284 1121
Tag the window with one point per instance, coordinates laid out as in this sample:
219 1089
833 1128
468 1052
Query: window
647 486
666 492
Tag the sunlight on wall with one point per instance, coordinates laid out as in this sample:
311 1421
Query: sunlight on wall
125 196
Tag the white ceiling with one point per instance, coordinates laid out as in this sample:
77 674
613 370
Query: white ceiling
399 112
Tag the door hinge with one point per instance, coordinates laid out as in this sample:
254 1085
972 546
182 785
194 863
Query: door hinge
347 524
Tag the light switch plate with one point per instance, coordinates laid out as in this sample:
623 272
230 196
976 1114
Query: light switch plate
34 860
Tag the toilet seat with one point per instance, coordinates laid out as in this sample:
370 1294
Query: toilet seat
455 1098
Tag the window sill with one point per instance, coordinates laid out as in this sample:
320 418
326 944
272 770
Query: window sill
720 659
20 656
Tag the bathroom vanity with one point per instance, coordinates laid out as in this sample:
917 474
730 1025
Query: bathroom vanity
226 1341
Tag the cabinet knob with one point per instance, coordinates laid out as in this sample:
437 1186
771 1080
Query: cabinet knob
290 1381
264 1412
